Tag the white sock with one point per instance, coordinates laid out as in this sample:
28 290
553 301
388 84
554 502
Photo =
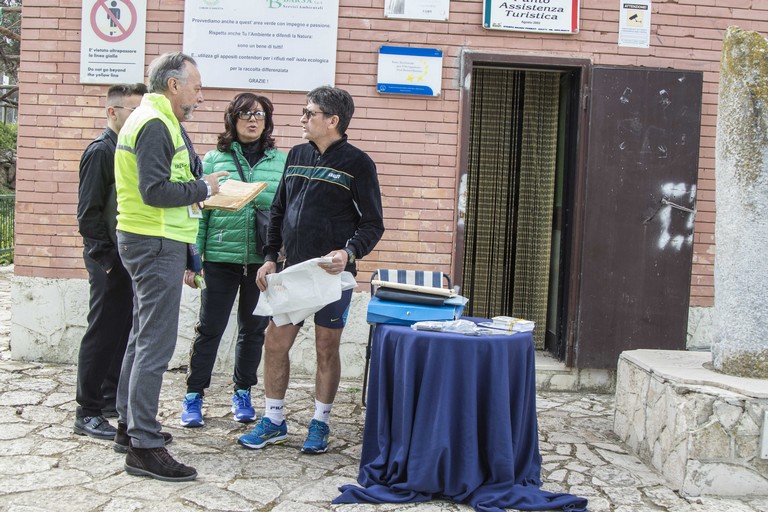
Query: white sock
322 411
274 410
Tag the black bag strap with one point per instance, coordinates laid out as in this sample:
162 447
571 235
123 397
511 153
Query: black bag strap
239 167
241 173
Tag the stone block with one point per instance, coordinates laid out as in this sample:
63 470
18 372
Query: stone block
722 479
727 414
596 380
746 447
701 437
709 442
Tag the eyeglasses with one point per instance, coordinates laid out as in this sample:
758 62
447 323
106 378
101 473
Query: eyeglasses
309 114
246 116
126 108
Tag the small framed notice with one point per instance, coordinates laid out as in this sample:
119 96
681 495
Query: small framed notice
409 71
417 9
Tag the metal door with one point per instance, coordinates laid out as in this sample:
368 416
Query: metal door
638 211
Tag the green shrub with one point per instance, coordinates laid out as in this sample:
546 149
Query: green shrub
8 137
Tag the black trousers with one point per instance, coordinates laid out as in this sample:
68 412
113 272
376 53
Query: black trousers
223 281
102 348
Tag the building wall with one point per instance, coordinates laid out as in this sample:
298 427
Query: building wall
414 141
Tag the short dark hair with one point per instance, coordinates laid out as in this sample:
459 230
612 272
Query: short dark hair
244 102
166 66
117 92
334 101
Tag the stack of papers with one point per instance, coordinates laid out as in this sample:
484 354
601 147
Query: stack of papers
509 324
233 195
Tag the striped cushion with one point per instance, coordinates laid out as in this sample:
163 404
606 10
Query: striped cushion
418 277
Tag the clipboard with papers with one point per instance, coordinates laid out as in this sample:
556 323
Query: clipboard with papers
234 195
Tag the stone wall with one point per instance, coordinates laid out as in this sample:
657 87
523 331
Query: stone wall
49 315
702 434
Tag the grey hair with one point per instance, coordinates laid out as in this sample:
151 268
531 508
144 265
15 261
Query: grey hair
166 66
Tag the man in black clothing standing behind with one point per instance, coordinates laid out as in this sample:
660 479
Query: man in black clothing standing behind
111 295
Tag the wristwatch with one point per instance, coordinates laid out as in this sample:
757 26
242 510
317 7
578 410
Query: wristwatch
350 255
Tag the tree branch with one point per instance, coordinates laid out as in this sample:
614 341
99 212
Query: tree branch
10 92
9 34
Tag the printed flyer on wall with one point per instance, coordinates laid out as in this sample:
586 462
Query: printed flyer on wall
283 45
532 15
635 24
417 9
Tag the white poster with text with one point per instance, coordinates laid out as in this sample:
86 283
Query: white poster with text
417 9
282 45
532 15
112 35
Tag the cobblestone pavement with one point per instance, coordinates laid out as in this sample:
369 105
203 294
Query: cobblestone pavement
44 466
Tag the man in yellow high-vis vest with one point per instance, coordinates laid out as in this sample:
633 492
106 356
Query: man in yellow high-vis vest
160 189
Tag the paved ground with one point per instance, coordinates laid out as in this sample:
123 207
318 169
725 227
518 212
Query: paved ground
44 467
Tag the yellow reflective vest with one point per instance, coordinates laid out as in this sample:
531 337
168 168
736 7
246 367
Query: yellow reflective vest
134 216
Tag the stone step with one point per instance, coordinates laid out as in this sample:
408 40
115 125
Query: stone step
553 375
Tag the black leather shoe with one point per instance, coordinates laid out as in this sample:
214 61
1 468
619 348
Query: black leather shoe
122 439
157 463
94 426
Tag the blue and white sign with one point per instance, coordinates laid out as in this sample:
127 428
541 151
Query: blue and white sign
410 71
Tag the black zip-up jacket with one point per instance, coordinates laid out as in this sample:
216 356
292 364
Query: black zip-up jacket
97 202
325 202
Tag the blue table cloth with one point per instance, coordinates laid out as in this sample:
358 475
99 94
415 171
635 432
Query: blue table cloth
452 417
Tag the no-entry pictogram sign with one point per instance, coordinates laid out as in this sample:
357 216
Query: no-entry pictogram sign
108 19
112 37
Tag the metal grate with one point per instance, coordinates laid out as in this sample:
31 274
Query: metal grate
7 209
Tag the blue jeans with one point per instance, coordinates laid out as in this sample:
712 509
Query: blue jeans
223 282
156 266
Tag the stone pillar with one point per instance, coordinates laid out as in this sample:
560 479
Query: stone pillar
740 344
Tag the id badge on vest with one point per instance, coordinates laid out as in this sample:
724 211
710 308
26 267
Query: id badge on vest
195 212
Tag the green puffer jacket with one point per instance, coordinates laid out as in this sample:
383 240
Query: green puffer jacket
230 237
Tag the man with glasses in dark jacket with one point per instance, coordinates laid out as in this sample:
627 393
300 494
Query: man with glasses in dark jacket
328 204
111 295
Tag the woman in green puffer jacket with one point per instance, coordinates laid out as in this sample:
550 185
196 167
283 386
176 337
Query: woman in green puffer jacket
231 252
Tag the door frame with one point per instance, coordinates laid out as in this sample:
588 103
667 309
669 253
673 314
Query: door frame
573 216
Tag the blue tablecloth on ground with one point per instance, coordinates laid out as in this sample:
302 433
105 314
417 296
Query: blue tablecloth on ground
452 417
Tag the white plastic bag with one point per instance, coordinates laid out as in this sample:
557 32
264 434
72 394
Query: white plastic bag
300 291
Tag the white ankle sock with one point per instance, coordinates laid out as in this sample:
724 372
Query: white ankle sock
274 410
322 411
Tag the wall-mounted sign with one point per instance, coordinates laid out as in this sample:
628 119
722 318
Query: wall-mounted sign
635 24
112 41
532 15
417 9
409 71
279 45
